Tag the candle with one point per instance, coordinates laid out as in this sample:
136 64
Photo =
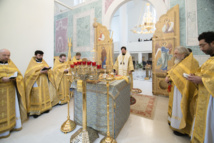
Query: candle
84 62
75 63
78 63
89 63
98 66
93 63
72 66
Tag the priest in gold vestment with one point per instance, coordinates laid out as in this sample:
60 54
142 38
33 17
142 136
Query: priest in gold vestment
76 58
40 86
124 65
183 93
203 128
62 81
12 96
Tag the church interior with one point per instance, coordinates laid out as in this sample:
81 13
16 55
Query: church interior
106 71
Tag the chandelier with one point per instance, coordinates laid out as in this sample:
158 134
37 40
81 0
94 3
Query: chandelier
147 25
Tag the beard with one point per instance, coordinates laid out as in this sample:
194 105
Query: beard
208 52
39 59
177 60
123 54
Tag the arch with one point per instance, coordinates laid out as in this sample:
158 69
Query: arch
159 6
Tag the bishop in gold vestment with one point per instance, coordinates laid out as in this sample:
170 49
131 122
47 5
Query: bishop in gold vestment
124 65
181 97
38 82
203 129
62 81
12 96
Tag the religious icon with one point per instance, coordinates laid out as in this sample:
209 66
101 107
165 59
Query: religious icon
103 56
168 26
101 37
165 55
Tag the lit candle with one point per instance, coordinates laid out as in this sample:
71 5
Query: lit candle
93 63
75 63
89 63
72 66
98 66
84 62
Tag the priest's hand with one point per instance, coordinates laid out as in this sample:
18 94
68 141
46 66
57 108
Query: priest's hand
195 79
167 79
66 71
44 71
6 79
130 72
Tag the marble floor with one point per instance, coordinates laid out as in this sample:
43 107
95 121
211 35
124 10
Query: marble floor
46 128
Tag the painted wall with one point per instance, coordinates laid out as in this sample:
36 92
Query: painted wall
205 20
26 26
80 27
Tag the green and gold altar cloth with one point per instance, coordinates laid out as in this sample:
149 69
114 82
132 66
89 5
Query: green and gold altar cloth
119 102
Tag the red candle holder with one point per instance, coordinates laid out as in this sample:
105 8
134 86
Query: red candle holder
72 66
78 63
93 63
89 63
84 62
75 63
98 66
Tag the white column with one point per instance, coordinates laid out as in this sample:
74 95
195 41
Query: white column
140 55
123 23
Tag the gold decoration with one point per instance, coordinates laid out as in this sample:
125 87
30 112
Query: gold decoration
68 125
103 46
108 138
165 39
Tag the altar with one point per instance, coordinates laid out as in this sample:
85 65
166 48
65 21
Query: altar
119 103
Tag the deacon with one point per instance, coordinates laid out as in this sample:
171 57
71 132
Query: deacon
203 130
76 58
181 92
124 64
62 81
12 96
37 76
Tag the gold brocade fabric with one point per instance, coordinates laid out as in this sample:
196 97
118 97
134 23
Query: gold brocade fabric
62 81
7 97
130 68
122 77
206 72
38 98
187 89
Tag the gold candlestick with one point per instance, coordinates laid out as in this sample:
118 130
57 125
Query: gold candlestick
81 136
68 125
108 138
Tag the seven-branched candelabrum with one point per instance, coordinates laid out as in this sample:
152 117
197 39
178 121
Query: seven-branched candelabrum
85 70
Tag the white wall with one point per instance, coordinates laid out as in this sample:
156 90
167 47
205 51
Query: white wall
26 26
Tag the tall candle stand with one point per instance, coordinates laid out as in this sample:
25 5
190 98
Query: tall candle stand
108 138
68 125
84 71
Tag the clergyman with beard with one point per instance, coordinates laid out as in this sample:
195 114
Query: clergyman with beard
124 64
182 93
37 78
